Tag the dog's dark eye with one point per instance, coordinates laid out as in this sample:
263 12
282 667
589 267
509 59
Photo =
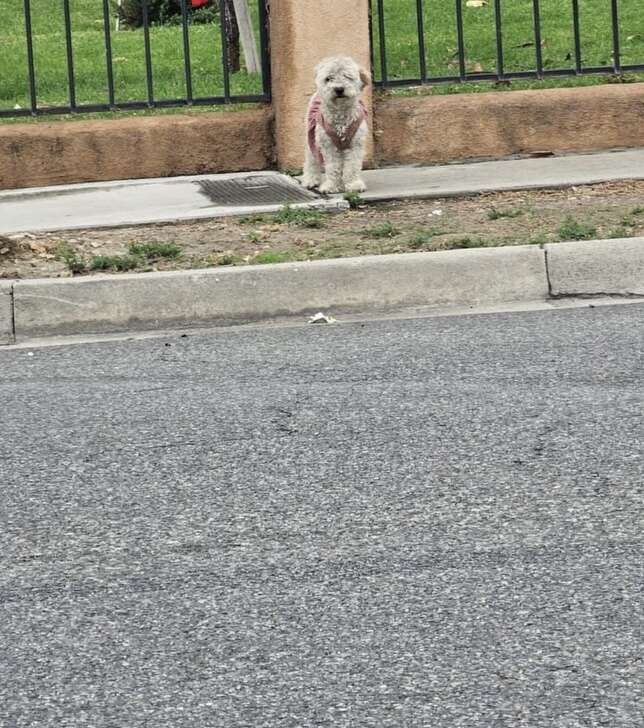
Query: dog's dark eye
327 79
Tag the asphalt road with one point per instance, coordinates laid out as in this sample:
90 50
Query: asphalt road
435 522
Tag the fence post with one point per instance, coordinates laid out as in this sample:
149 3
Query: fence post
303 32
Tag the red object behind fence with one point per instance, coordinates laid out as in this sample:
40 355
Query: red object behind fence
199 3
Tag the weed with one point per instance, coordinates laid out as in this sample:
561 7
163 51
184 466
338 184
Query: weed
252 219
494 214
354 199
421 239
538 239
570 229
255 237
621 231
384 230
154 251
274 256
75 262
631 220
114 262
301 217
466 242
227 259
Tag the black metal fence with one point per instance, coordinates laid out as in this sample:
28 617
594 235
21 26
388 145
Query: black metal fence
417 42
38 103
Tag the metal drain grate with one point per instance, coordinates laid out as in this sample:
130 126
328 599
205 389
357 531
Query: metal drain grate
256 190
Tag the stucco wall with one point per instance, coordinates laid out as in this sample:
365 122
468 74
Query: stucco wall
39 154
436 129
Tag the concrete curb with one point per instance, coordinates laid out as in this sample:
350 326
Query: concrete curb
147 301
613 267
32 309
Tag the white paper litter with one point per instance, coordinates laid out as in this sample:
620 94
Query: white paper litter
321 318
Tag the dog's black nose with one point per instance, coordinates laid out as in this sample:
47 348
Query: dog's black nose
339 90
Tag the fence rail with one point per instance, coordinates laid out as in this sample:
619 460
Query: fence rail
214 53
409 36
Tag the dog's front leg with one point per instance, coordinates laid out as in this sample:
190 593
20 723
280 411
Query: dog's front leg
352 171
333 163
312 175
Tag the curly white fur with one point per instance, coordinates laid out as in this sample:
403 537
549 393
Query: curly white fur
340 82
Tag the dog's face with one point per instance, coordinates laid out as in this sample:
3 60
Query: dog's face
340 80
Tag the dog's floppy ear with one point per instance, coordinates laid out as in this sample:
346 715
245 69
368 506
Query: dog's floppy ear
364 77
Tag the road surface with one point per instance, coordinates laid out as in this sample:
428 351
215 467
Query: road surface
433 522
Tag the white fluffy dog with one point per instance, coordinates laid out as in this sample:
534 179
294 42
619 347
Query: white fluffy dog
336 123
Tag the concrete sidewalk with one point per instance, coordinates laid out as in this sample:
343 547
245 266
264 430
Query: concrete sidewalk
137 202
449 180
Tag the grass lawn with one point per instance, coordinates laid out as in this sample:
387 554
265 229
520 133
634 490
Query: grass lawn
89 58
518 35
205 43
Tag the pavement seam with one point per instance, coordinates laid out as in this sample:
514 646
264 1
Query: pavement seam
12 308
547 270
628 295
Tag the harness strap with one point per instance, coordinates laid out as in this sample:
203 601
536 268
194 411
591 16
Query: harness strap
341 142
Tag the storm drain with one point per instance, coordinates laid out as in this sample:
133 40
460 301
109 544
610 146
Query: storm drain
255 190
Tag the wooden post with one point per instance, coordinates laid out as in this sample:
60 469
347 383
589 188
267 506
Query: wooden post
249 46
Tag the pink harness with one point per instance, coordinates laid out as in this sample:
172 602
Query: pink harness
343 142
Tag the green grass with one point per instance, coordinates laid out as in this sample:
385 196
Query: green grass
384 230
570 229
518 36
274 256
494 214
67 255
155 251
139 255
114 262
354 199
421 239
466 242
302 218
288 216
401 40
89 58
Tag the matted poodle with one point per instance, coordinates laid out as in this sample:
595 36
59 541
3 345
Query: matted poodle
336 123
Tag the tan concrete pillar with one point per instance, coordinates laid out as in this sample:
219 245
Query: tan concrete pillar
303 32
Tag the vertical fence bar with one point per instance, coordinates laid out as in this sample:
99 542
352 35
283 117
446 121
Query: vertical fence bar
382 42
108 51
148 52
224 48
617 63
187 67
70 55
30 57
460 38
420 22
264 42
498 22
576 34
536 14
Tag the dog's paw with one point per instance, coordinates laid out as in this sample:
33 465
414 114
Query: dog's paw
310 182
329 188
356 185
